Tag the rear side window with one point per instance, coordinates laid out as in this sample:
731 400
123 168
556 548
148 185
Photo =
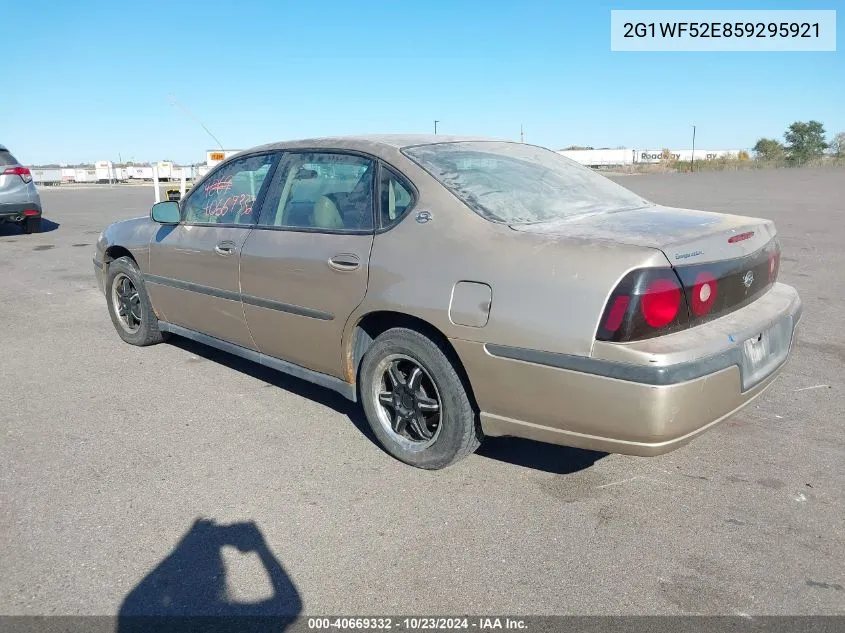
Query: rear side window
395 197
322 191
6 158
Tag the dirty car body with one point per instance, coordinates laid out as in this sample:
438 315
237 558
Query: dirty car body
567 309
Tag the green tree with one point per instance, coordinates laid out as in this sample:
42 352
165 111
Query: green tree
837 145
804 141
768 149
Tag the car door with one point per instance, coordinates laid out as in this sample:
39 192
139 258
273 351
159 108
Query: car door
304 268
193 279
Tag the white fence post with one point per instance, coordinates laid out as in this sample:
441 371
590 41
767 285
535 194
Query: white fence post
182 186
155 184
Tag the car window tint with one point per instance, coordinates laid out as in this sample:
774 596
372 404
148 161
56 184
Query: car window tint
6 158
395 196
321 190
227 197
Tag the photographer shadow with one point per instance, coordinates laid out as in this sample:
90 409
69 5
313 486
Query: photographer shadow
188 589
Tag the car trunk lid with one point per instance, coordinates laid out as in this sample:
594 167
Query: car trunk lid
723 262
684 235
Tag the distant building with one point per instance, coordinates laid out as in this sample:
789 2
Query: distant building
632 156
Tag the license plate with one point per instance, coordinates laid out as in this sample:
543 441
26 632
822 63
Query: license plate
764 353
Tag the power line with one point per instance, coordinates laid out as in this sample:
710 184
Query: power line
174 102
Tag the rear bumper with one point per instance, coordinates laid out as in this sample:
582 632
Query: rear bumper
13 211
100 274
622 407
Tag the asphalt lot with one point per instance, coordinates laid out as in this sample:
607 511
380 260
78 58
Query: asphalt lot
110 453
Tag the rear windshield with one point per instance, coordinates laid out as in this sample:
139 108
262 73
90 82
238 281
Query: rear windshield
6 158
515 183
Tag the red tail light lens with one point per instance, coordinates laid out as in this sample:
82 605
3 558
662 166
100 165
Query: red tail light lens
703 293
30 212
774 264
647 302
617 312
661 302
23 172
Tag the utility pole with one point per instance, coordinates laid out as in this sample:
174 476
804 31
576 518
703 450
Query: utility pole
692 160
435 125
521 135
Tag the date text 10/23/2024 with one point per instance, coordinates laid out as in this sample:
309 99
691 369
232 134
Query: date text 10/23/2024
417 623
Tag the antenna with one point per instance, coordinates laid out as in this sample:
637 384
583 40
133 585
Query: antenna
521 135
176 104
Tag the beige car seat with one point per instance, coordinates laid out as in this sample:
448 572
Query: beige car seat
326 215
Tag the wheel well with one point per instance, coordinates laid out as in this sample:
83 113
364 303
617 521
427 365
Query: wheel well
375 323
116 252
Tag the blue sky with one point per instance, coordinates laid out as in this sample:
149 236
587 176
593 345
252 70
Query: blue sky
83 81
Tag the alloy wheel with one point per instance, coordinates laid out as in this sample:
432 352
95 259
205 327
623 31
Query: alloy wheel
407 402
126 302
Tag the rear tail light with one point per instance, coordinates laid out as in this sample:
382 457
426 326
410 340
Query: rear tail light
30 212
774 263
651 302
703 294
617 312
661 302
23 172
647 302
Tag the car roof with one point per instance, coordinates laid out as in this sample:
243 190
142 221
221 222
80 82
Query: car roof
3 148
371 142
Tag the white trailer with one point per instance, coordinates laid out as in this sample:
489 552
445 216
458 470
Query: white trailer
178 171
105 170
46 176
84 175
630 155
600 157
139 172
165 169
68 174
656 155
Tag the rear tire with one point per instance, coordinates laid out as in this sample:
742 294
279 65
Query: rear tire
129 304
32 225
402 375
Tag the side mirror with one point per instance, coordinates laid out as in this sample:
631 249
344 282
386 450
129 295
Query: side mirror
166 212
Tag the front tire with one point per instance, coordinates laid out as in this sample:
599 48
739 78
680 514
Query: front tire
416 402
129 304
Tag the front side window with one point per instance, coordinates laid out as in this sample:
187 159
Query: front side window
228 196
515 183
323 191
395 195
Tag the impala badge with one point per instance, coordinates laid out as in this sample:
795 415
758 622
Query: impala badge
748 279
423 217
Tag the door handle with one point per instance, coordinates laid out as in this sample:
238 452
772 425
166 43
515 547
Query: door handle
345 262
225 248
